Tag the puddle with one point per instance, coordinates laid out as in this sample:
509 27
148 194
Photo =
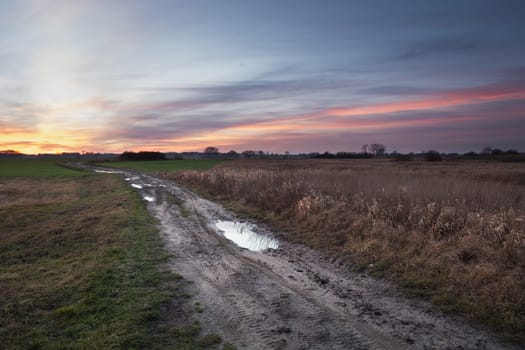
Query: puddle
136 186
106 171
128 179
241 233
149 198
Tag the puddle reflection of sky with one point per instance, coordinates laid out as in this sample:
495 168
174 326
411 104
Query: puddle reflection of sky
243 235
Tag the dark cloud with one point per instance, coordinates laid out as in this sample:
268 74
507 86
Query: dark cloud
258 90
516 73
393 90
167 128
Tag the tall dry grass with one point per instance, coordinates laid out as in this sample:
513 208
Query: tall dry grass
454 232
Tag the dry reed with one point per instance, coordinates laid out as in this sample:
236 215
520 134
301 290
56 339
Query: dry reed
454 232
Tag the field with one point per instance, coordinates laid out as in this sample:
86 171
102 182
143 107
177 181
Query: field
165 165
35 167
82 265
453 232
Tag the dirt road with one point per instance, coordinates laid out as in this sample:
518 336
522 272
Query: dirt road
290 297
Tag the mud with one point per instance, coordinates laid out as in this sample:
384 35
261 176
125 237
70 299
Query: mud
290 297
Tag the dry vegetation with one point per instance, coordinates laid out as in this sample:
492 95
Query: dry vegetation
452 231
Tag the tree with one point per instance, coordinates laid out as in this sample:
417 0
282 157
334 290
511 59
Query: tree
248 153
211 150
364 148
232 154
433 156
142 155
486 150
377 149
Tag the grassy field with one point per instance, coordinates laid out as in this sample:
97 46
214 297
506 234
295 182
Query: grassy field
82 266
450 231
166 165
35 167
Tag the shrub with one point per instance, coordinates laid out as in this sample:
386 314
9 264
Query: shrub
126 156
433 156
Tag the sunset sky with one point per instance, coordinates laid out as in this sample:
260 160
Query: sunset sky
297 76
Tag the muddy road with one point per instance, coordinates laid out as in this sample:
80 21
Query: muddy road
288 296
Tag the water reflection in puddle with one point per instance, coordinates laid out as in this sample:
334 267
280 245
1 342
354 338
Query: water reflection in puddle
242 234
136 186
106 171
149 198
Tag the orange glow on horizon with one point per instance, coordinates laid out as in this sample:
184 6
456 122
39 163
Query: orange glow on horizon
311 120
49 139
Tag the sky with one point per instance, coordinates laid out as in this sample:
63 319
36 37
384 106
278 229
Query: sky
296 76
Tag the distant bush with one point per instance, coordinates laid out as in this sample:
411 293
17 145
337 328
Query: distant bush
433 156
499 152
142 156
344 155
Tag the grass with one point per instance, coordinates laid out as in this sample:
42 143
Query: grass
82 266
453 232
166 165
35 168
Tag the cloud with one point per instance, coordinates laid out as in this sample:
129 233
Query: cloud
396 90
16 115
252 90
8 129
441 111
38 146
439 46
279 115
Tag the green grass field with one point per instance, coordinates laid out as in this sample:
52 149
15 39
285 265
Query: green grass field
82 266
166 165
35 168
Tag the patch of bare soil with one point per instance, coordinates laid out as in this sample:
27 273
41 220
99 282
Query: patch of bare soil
290 297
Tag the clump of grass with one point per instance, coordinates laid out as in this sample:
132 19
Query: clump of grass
228 346
453 232
210 340
81 266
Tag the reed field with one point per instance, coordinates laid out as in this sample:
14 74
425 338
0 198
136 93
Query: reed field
453 232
